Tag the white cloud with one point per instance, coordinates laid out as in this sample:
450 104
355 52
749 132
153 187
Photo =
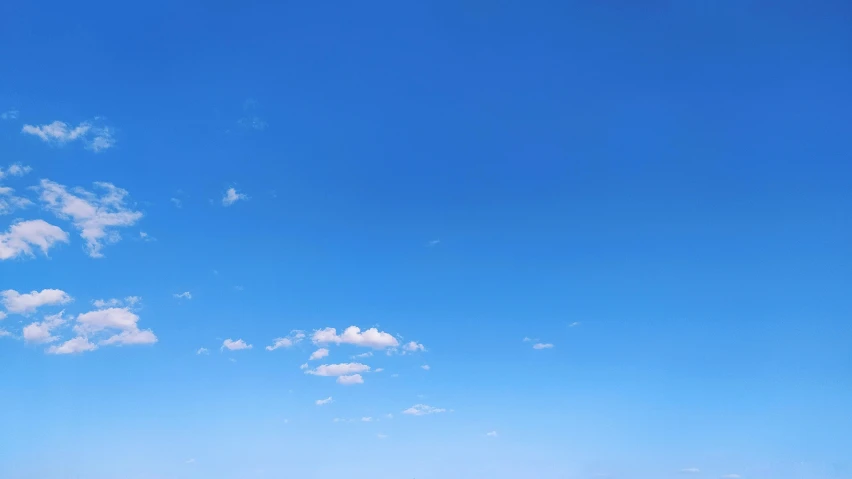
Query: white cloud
25 303
146 237
413 346
491 434
366 419
378 370
321 402
23 235
542 346
9 114
232 196
9 202
372 338
690 470
426 367
350 379
80 344
95 217
133 336
2 315
338 369
96 137
527 339
422 410
129 301
202 351
304 366
102 319
363 355
190 461
319 354
731 476
253 122
237 345
177 202
295 337
40 332
17 169
184 295
574 324
381 436
4 333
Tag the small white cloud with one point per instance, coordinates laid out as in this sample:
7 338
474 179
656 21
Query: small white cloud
184 295
426 367
190 461
177 202
96 217
23 235
542 346
574 324
389 416
434 242
146 237
41 332
9 202
690 470
414 347
295 337
80 344
491 434
378 370
233 345
321 402
4 333
363 355
381 436
366 419
731 476
202 351
9 114
338 369
527 340
232 196
319 354
422 410
350 379
372 338
132 336
93 134
25 303
304 366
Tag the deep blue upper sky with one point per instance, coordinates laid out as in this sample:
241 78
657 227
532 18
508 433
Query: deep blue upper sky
658 191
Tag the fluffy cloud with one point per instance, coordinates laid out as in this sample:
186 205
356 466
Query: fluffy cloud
23 235
121 321
542 346
319 354
422 410
26 303
338 369
96 217
232 196
40 332
96 137
293 338
350 379
237 345
135 336
414 347
80 344
184 295
371 338
15 169
129 301
320 402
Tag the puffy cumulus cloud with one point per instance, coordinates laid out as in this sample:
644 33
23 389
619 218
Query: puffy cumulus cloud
121 322
542 346
413 346
350 379
295 337
371 338
94 135
25 303
319 354
41 332
321 402
232 196
23 235
15 169
80 344
341 369
96 217
233 345
422 410
9 202
135 336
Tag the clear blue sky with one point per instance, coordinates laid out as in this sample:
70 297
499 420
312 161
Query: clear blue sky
655 195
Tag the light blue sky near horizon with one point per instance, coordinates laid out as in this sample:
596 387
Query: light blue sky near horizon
660 190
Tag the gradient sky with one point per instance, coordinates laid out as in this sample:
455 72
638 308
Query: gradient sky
617 233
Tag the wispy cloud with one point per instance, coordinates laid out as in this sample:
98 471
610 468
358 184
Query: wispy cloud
184 295
94 134
422 410
9 114
202 351
542 346
319 354
295 337
372 338
690 470
491 434
22 236
322 402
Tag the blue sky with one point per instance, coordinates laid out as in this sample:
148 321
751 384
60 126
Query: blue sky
617 233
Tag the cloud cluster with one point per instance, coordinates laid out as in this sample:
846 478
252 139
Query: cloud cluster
25 303
422 410
41 332
22 236
371 338
95 136
96 217
115 326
